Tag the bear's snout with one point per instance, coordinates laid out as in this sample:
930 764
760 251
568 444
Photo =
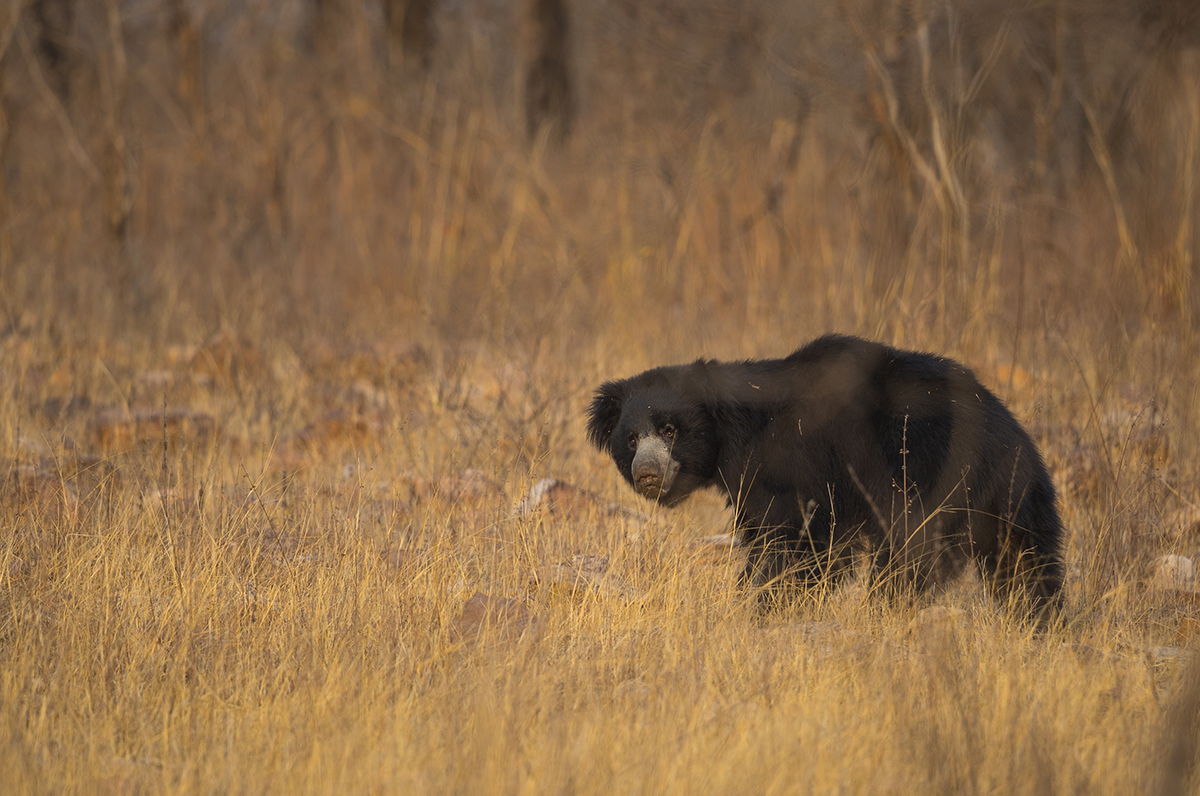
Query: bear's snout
647 482
653 469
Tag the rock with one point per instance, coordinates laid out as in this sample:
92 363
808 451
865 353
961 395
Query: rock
504 619
557 497
1173 572
562 499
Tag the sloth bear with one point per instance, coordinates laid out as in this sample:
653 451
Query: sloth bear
846 445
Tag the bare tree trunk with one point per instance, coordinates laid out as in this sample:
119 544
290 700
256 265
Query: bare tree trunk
7 26
411 36
549 97
326 20
55 26
184 31
116 165
1174 23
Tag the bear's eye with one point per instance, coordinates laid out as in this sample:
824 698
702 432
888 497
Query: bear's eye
633 440
668 431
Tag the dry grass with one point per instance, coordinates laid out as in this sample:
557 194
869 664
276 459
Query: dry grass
293 316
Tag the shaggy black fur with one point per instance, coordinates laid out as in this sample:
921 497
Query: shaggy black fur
843 445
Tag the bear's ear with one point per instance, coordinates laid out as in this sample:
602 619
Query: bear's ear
605 413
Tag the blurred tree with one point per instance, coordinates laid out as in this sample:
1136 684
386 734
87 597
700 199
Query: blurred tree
55 20
184 31
411 35
549 97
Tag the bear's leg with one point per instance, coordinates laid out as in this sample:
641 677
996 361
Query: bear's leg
910 558
767 554
1013 568
881 579
890 577
779 566
1023 575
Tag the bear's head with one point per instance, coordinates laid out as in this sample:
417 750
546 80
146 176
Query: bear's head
658 430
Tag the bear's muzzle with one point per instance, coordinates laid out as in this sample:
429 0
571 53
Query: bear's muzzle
653 469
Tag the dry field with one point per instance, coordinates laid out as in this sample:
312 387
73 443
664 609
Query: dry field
301 302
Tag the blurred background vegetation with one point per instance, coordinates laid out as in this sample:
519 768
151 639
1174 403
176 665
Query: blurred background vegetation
699 175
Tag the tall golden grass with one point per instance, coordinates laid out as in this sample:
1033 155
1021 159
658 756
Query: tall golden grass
298 301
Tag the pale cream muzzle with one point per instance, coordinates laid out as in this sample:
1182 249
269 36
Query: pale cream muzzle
653 468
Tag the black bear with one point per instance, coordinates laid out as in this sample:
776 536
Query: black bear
843 446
